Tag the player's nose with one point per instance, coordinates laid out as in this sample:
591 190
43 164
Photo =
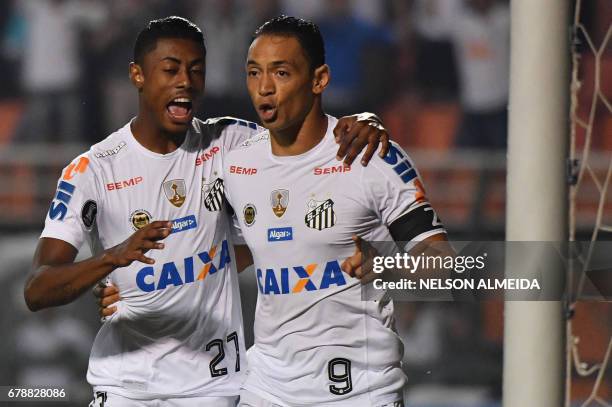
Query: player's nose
184 80
266 85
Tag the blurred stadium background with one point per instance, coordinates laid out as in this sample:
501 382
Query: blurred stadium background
436 71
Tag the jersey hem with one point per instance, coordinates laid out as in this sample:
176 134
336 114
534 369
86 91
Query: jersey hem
349 402
264 395
54 234
152 396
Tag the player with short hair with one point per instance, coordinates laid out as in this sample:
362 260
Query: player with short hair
316 342
177 337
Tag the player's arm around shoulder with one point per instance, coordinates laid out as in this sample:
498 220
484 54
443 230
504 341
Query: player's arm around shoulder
360 133
55 278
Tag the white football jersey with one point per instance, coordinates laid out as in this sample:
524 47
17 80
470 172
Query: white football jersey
316 341
178 328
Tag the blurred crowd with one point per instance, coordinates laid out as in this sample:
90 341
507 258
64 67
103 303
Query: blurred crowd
64 63
436 71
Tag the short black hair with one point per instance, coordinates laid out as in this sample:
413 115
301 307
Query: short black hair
168 27
306 32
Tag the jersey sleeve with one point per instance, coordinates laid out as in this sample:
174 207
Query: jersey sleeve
396 193
234 132
74 207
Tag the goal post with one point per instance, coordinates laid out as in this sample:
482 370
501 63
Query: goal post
534 333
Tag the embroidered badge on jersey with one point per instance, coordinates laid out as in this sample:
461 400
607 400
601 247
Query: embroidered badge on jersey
88 213
249 213
140 218
175 191
320 215
279 199
214 193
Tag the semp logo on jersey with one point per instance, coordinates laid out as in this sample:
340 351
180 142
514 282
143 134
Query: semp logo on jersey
207 155
320 215
140 218
249 213
214 194
236 169
173 274
331 170
280 234
175 191
296 279
279 199
114 186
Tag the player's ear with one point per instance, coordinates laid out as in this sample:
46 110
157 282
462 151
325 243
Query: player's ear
320 79
136 75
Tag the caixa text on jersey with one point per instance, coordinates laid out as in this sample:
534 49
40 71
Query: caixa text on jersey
296 279
193 268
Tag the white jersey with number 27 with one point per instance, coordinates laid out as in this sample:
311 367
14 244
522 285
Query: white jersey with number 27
178 328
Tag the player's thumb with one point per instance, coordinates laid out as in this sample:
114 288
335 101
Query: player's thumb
358 244
350 265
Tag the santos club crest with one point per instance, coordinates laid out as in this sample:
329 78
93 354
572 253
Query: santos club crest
213 195
320 215
175 191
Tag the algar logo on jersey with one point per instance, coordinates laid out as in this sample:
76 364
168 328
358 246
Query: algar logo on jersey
189 270
297 279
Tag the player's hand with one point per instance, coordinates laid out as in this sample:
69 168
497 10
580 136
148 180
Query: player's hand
106 295
354 133
359 265
143 240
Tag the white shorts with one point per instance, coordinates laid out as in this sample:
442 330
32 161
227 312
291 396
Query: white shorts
104 399
249 399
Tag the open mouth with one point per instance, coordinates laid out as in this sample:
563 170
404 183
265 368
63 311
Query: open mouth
180 109
267 111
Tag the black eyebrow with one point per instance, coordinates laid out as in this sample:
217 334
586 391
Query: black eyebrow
279 63
275 63
178 61
173 59
197 61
